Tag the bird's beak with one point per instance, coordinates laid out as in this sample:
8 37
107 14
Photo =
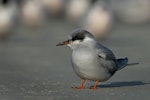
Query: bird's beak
64 43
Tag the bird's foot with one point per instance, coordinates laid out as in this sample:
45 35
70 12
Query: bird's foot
78 87
93 88
81 86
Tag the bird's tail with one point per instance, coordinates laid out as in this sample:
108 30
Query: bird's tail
132 64
123 62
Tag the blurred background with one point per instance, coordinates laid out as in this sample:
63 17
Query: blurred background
32 67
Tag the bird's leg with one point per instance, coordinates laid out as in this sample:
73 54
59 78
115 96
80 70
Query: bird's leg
95 85
81 86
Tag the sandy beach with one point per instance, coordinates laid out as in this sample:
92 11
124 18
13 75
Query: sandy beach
32 67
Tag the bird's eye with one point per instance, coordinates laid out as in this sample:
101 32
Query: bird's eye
75 38
79 36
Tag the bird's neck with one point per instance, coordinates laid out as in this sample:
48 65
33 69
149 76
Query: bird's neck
88 45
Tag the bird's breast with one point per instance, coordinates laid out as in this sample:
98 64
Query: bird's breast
87 66
83 58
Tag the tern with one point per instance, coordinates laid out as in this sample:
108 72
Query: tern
91 60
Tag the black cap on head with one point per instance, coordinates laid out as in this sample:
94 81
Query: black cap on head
80 34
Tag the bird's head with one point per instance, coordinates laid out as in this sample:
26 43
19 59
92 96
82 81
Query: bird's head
78 38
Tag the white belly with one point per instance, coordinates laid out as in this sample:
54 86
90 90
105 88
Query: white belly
88 66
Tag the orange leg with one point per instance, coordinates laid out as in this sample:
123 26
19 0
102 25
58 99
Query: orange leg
81 86
95 85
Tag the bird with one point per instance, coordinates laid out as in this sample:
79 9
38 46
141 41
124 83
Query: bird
8 15
99 20
53 7
91 60
134 12
75 9
31 13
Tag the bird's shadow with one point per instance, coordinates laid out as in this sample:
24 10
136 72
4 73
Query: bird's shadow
122 84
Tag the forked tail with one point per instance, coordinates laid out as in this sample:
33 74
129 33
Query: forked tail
123 62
